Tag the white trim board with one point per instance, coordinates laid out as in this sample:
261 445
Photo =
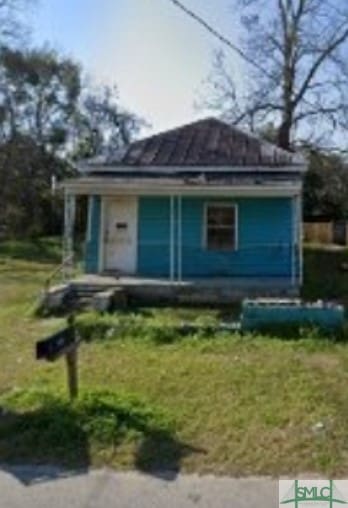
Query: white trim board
301 236
172 238
178 181
89 219
179 203
102 235
109 189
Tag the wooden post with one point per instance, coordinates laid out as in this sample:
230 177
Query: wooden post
63 343
72 363
72 371
172 238
300 236
179 216
294 238
68 239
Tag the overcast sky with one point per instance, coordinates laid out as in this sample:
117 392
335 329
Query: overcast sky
156 55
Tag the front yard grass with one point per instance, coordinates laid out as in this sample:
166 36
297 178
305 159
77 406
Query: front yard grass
225 404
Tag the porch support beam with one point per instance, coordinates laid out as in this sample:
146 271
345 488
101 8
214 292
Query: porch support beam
179 238
103 234
300 235
295 241
163 187
68 236
172 238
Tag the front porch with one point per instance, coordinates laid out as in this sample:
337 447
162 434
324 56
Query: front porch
171 263
213 291
107 292
171 239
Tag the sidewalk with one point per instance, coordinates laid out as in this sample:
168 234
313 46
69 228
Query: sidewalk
30 487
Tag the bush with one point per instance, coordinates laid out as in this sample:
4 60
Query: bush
94 326
295 331
157 329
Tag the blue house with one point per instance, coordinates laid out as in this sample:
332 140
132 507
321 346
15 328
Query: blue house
204 202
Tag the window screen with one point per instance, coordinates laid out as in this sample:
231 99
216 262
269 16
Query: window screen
221 227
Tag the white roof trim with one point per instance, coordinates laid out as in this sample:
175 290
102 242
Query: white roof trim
103 188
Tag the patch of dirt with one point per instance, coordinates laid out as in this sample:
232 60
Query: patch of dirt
322 361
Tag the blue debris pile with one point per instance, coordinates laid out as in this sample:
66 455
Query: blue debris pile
258 314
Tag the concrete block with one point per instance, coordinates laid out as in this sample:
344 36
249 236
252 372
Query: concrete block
105 301
54 299
119 298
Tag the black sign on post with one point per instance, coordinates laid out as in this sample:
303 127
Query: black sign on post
62 343
56 345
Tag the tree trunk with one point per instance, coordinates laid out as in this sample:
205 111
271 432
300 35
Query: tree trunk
284 134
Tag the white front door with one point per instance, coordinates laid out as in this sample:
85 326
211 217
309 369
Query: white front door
120 234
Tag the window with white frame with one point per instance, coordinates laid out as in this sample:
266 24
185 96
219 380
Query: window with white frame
220 227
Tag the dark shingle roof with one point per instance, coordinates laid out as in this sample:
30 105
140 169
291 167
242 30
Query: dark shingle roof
208 142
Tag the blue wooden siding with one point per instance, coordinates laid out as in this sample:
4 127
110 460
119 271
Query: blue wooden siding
264 240
154 236
265 232
93 235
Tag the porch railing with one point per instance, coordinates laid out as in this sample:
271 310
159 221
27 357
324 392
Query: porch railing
59 270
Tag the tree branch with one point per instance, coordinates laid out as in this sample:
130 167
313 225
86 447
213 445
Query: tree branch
320 60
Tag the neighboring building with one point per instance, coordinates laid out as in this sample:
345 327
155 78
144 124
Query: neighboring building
203 201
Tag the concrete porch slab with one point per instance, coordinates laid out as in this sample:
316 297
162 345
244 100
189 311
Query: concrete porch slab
195 291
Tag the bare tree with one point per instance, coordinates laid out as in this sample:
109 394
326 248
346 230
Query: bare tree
12 20
102 126
299 82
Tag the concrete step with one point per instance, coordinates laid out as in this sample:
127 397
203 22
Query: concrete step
75 286
98 297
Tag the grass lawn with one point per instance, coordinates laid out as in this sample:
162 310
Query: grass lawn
225 404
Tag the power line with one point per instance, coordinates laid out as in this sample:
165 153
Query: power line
225 40
218 35
222 38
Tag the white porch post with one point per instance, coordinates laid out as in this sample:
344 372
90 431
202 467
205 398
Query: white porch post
68 237
172 238
103 233
300 235
180 238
